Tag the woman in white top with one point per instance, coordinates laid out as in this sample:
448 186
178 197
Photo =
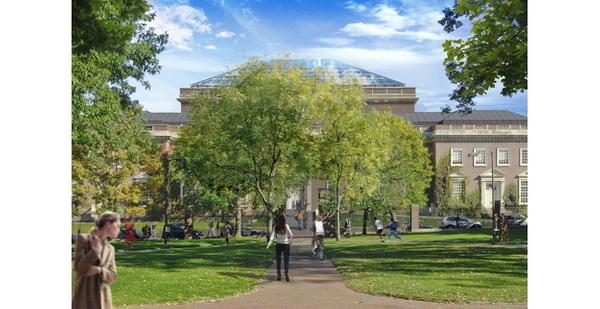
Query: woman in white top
283 237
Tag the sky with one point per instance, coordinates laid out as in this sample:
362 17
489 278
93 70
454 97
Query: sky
401 40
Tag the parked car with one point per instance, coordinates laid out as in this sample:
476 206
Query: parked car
252 232
459 222
516 220
177 231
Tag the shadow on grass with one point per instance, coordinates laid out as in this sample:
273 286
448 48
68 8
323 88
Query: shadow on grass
415 259
249 255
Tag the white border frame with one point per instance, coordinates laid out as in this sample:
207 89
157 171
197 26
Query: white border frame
475 157
521 156
462 157
520 195
498 156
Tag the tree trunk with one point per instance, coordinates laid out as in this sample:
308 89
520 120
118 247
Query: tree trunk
365 219
269 223
337 213
166 195
392 216
238 221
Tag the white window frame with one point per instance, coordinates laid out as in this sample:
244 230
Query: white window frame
455 180
498 157
521 156
521 192
452 157
475 157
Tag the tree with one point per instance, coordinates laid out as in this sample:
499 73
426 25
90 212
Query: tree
253 133
111 45
497 49
347 148
407 171
442 189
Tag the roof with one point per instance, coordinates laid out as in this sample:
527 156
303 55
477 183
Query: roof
321 68
165 118
476 116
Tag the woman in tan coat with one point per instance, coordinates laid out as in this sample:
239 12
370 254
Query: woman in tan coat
95 264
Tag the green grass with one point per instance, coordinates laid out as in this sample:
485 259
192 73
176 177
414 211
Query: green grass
197 271
417 268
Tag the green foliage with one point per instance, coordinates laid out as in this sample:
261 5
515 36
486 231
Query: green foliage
511 197
442 188
110 46
496 51
407 171
250 136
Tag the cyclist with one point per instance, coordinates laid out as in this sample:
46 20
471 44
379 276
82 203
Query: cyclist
317 241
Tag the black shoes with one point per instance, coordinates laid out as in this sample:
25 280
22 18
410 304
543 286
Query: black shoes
287 278
278 277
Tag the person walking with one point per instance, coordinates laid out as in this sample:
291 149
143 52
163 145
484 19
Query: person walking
129 233
283 236
226 231
318 236
495 228
394 225
300 219
378 228
95 267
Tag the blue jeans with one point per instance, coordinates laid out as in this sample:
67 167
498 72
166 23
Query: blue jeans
395 234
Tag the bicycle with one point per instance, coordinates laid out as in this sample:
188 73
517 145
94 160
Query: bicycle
320 249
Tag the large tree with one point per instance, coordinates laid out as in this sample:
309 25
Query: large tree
496 50
348 149
111 46
407 171
252 133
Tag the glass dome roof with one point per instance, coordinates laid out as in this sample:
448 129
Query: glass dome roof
323 69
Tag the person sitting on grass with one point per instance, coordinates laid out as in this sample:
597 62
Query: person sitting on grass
394 225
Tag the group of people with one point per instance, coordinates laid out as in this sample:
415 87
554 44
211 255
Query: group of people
394 229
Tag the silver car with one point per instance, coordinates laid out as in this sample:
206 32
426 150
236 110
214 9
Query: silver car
459 222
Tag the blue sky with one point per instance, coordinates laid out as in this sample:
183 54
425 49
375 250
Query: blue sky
398 39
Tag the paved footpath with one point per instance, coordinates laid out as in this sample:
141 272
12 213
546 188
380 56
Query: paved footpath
313 284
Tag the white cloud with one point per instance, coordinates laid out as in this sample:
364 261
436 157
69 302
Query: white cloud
373 59
362 29
355 7
335 41
415 24
210 47
225 34
391 18
181 22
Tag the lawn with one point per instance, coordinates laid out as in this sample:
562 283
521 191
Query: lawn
198 270
422 268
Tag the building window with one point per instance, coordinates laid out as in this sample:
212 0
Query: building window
458 188
503 127
456 127
523 192
457 157
480 126
523 156
503 157
479 157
